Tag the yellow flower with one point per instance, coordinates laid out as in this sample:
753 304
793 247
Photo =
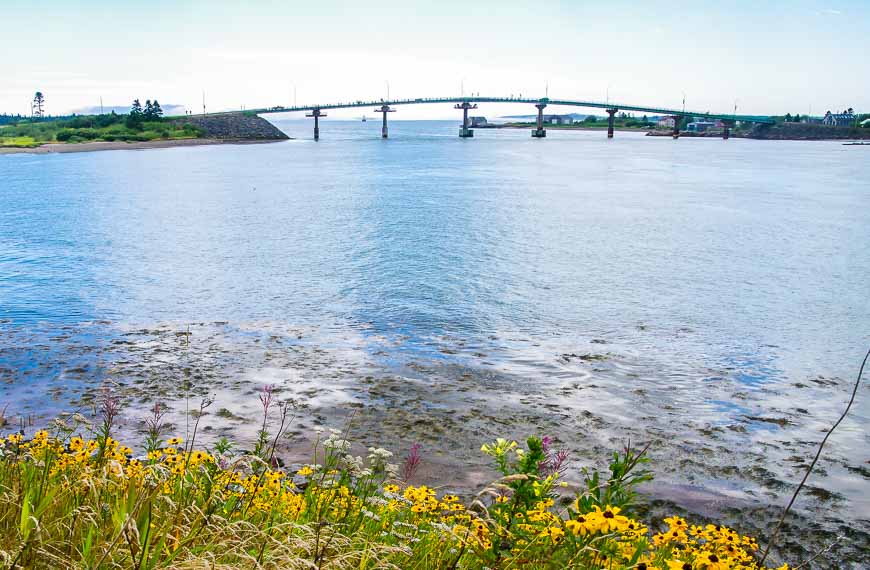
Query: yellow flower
711 561
391 488
174 441
576 527
554 533
305 471
678 565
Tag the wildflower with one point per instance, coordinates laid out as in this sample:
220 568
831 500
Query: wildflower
554 533
391 488
499 448
305 471
711 561
678 565
174 441
577 528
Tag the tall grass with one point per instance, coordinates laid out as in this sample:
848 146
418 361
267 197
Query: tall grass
69 501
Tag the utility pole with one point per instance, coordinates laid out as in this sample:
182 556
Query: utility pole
101 104
203 101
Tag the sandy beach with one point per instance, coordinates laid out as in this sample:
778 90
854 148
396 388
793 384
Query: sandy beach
119 145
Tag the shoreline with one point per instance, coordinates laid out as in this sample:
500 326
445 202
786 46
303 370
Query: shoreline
95 146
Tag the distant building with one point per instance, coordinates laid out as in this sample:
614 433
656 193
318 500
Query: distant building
478 121
559 119
844 119
666 122
703 126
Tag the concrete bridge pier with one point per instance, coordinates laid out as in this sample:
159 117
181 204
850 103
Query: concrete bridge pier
316 113
465 132
677 120
610 114
539 132
384 109
726 129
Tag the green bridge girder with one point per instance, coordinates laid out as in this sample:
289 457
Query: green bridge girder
547 101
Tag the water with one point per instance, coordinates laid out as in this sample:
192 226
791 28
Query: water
701 282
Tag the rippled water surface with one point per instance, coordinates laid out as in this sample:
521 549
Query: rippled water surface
710 291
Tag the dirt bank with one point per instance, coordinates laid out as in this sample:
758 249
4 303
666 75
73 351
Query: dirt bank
118 145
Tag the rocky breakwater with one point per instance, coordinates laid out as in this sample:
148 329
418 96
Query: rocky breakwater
236 127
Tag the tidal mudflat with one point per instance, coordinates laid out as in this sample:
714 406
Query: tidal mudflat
735 459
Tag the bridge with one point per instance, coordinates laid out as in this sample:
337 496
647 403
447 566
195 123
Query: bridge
466 103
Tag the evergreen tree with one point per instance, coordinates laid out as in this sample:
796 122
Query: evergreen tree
148 114
38 101
156 110
788 117
134 119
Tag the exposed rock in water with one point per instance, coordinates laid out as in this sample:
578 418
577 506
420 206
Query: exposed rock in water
236 126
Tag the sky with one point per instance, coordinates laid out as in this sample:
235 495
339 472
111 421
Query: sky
767 57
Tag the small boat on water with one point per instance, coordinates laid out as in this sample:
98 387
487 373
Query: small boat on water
856 144
364 119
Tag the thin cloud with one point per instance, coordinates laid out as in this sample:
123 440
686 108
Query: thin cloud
830 12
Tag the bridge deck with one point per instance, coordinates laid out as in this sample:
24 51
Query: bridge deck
560 102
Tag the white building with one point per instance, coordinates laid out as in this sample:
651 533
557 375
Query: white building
844 119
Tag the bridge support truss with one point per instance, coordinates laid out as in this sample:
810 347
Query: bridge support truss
726 129
676 132
465 132
539 131
316 113
610 114
384 109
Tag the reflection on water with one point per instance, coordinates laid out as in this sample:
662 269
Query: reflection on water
697 289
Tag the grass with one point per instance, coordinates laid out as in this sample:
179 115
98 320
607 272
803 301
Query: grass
93 128
74 501
18 141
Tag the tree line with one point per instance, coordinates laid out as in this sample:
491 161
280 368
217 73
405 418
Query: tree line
149 113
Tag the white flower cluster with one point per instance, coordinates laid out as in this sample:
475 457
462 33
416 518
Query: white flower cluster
356 466
377 501
369 514
379 454
334 442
